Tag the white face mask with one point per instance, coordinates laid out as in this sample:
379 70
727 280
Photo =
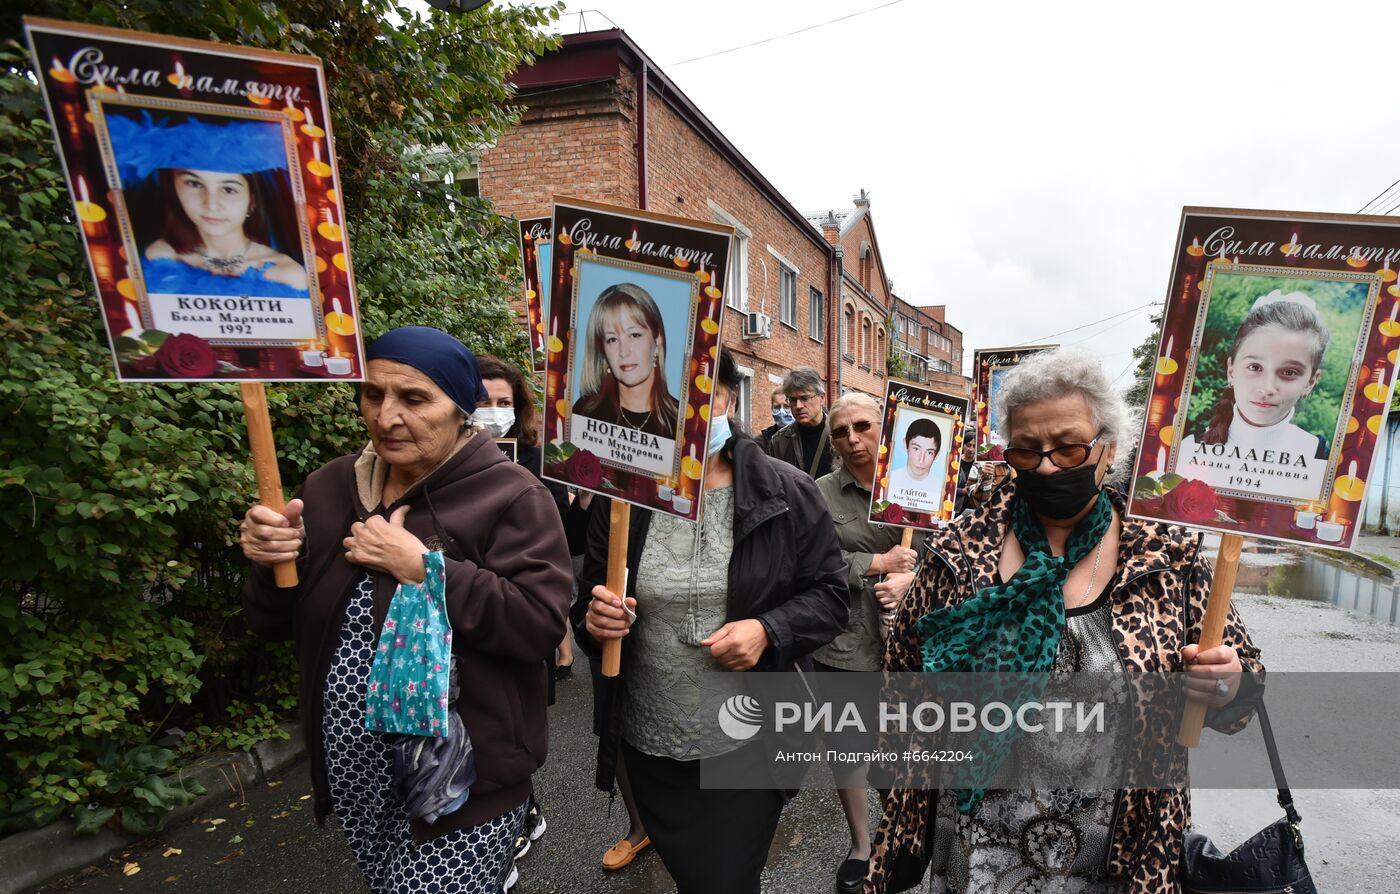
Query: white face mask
498 420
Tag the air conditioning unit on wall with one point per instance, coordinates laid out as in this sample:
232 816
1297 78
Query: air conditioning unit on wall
758 325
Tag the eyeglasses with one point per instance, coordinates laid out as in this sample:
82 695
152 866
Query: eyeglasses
861 427
802 398
1064 456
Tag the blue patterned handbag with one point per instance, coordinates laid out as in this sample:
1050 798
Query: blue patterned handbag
410 680
412 694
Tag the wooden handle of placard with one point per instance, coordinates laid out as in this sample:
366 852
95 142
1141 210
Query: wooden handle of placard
1222 584
265 464
907 540
618 528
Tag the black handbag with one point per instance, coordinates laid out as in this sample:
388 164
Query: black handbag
1269 863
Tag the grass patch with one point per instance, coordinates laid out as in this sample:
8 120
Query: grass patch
1384 560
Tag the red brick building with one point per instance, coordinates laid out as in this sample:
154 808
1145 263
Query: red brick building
865 297
929 346
603 122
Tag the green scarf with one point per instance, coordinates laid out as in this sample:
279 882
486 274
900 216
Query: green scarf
1013 627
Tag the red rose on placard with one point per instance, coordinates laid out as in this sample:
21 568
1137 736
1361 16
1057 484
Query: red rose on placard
893 514
1191 502
187 356
584 469
994 454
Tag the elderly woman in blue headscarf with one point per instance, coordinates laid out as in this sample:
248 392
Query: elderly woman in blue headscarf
429 491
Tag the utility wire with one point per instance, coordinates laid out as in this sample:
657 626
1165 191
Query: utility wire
1131 364
967 354
1378 196
802 30
1096 322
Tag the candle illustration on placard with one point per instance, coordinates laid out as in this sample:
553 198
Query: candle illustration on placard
328 228
59 72
133 318
1375 390
92 215
310 128
1166 365
316 165
1389 327
293 112
1194 249
1291 247
1356 260
1385 273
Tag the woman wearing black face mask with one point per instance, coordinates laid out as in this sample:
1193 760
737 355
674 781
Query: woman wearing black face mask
1050 576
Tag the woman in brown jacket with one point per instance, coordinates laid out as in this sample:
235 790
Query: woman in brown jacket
1052 576
429 480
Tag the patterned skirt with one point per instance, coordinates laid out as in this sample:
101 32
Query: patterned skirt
474 860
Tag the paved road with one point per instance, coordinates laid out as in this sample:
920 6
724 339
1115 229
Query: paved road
269 844
282 849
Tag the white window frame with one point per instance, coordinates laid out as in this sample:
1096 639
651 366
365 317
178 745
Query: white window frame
787 299
743 409
816 315
736 295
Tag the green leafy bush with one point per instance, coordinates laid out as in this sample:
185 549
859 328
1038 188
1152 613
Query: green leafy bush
119 503
77 694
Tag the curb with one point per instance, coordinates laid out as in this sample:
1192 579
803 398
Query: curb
29 859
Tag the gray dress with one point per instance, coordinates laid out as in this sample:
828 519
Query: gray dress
682 591
1039 841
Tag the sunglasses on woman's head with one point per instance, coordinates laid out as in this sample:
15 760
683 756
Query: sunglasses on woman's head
861 427
1064 456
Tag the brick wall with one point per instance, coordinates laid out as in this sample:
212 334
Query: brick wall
581 141
688 177
866 295
578 141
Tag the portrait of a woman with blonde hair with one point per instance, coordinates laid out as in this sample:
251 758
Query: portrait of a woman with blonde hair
623 376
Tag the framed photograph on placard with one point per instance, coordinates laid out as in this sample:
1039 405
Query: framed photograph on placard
536 245
636 301
916 470
508 447
203 179
1273 377
989 367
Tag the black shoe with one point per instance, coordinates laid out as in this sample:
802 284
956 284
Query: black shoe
534 828
562 671
850 877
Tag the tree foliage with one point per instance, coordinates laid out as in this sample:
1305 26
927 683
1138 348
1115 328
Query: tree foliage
120 501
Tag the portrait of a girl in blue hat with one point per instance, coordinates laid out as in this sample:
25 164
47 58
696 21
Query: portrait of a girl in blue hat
210 203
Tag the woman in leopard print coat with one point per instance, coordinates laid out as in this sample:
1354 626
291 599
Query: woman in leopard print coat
1151 594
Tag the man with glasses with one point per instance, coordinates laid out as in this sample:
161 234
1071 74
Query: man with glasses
806 443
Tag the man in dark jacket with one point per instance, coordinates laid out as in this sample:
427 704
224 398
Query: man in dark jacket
806 443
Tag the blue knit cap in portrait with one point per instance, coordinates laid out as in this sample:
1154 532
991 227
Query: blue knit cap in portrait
439 356
236 146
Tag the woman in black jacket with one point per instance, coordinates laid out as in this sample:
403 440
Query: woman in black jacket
758 585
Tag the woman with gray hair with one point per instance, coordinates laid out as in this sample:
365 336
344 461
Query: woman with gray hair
1051 576
880 573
